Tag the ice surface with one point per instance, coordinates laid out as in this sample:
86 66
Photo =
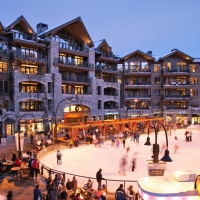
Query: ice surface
86 160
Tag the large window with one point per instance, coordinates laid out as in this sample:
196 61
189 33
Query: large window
119 67
78 60
194 81
157 80
29 69
31 87
134 66
193 92
193 68
31 105
4 87
144 66
29 53
157 67
78 89
3 68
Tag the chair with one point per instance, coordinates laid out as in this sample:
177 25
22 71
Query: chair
25 173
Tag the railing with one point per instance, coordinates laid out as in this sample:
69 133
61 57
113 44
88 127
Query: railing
177 83
76 79
33 56
176 107
138 108
31 109
107 55
73 47
72 62
111 185
23 36
138 83
110 81
143 70
31 91
177 96
177 69
139 96
107 68
30 71
3 51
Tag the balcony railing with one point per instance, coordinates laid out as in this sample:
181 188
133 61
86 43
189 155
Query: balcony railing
107 67
72 63
138 108
107 55
177 69
30 71
138 83
76 79
139 96
31 91
23 55
73 47
177 107
111 107
31 109
177 96
79 93
143 70
177 83
3 51
23 36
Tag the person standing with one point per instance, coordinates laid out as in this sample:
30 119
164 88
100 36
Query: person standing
137 137
37 193
124 142
10 195
75 183
190 136
99 177
59 155
120 193
32 137
35 166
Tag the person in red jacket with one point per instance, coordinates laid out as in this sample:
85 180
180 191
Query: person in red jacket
17 163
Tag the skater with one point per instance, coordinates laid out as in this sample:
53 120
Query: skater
59 155
133 164
176 147
122 165
124 142
175 127
112 141
117 143
190 136
162 148
127 149
137 137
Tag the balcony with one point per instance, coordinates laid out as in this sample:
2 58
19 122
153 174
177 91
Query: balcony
176 84
138 71
31 91
27 39
72 64
31 72
107 69
177 96
176 71
141 84
30 58
31 109
3 52
76 79
138 108
176 107
73 49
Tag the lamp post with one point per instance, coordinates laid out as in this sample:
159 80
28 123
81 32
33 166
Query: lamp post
56 125
166 157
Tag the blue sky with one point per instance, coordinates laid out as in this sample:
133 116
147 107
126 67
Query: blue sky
128 25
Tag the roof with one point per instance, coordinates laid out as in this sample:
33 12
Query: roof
196 60
140 53
1 27
76 28
104 45
178 52
21 21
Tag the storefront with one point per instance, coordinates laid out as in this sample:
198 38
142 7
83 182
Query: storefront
182 119
9 127
111 115
195 118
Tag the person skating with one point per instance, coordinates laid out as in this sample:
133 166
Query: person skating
59 155
124 142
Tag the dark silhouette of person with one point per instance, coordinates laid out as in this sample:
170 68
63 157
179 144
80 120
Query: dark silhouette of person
99 177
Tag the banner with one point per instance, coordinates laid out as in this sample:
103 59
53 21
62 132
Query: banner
21 140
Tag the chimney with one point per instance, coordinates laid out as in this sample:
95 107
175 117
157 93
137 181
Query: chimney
149 53
41 28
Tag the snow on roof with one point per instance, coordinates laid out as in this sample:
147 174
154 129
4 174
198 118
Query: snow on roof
196 60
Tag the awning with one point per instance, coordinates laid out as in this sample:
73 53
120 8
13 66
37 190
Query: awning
9 121
73 115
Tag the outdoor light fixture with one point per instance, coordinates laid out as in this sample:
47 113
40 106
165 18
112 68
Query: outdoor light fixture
166 157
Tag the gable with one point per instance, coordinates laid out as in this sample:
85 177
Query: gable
104 46
177 54
138 53
21 24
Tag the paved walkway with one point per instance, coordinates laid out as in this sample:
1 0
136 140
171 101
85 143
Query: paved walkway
22 189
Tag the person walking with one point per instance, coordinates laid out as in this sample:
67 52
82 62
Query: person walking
35 167
37 193
137 137
190 136
120 193
10 195
59 155
99 177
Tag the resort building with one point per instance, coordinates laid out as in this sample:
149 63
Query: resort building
61 74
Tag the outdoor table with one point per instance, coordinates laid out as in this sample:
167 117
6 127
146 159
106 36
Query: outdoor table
15 171
25 157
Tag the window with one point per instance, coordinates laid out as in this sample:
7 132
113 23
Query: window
126 67
3 47
78 89
156 104
194 81
99 90
157 80
31 105
49 105
193 68
49 87
29 53
99 104
157 67
119 67
62 58
193 92
144 66
134 66
119 80
3 68
156 92
29 69
5 86
78 60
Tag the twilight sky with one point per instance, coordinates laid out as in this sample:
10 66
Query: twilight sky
128 25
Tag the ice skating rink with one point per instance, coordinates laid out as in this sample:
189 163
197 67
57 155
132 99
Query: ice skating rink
86 160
